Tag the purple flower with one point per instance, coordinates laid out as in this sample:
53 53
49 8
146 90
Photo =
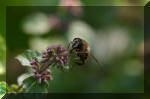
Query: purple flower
37 76
34 62
48 71
51 58
57 55
54 55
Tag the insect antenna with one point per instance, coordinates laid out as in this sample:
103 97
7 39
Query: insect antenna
68 46
100 64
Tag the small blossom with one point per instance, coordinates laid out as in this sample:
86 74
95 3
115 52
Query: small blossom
55 22
34 62
72 6
37 76
44 55
35 72
51 58
57 58
34 67
48 71
48 50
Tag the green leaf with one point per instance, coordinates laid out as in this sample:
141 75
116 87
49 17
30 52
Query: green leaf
26 57
66 68
32 86
22 77
14 89
2 89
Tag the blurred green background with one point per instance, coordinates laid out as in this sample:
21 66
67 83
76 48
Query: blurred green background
2 58
115 35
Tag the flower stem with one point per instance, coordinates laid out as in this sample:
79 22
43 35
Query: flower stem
45 66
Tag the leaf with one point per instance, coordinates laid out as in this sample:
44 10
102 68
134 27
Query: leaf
26 57
2 89
14 89
22 77
32 86
66 68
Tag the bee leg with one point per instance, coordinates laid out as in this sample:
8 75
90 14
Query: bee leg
82 62
77 58
72 50
78 63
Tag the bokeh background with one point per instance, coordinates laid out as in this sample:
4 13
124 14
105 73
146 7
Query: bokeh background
115 35
2 58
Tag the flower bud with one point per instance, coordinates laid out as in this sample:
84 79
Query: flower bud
48 71
57 58
44 80
51 58
34 62
44 55
37 76
35 72
48 77
34 67
49 50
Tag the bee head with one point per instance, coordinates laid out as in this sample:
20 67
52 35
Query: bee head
77 42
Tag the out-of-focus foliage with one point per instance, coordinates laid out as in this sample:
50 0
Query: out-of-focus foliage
36 24
2 89
2 58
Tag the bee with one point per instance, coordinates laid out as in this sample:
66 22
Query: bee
82 49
